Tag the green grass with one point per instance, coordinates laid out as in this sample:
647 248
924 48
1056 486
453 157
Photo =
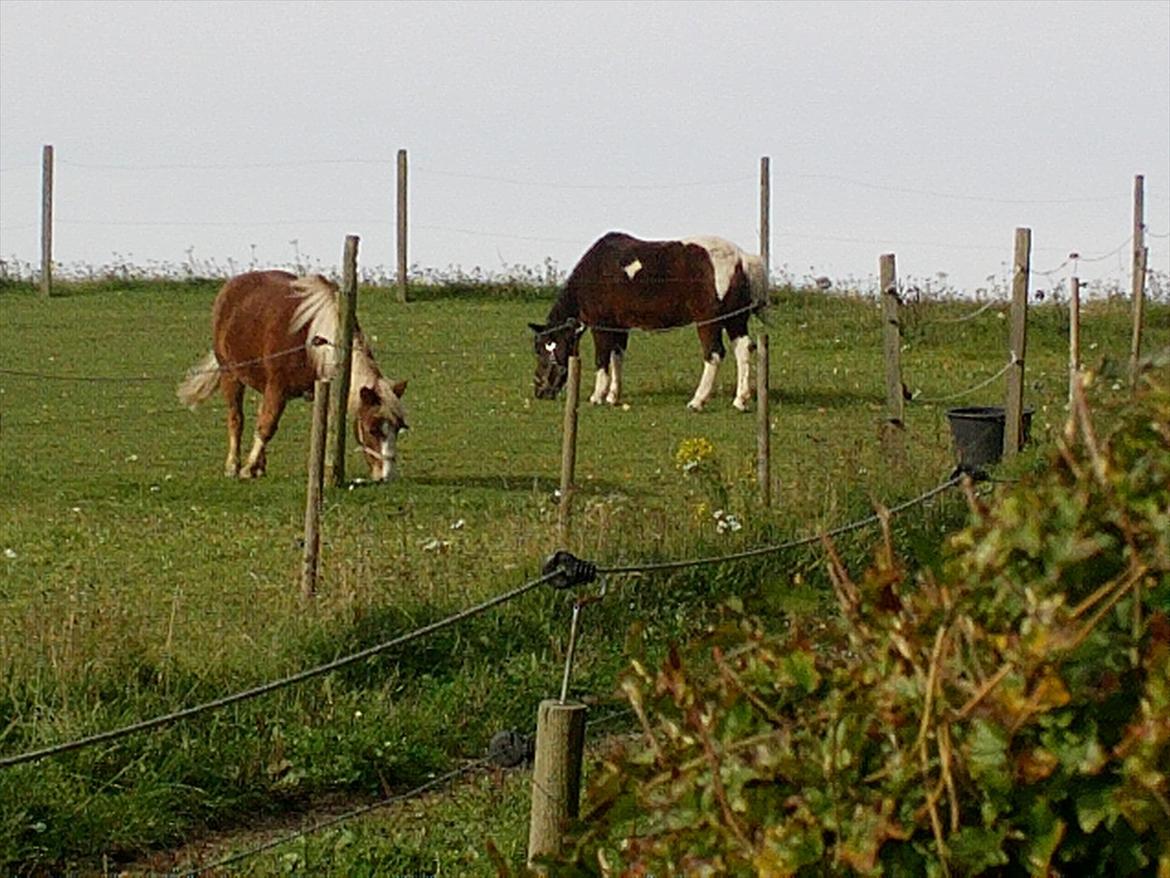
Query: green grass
137 580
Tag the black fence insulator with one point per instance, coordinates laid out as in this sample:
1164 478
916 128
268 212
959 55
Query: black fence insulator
569 569
510 748
973 472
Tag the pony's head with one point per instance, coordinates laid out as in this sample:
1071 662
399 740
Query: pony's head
379 418
553 347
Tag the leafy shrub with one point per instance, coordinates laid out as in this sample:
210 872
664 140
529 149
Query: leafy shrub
1008 713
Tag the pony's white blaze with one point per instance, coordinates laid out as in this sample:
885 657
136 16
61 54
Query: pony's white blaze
389 456
633 268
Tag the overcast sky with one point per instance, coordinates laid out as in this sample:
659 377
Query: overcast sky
930 130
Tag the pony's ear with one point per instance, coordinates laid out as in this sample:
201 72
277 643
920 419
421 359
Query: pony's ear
370 396
536 327
399 388
580 328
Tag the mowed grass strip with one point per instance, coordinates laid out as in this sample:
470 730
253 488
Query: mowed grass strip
137 580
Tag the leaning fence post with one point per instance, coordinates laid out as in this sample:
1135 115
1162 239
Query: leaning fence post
347 310
892 339
402 225
1138 280
1074 354
1013 429
763 423
314 489
569 448
47 220
556 776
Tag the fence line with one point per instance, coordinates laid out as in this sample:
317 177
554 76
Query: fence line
928 400
557 577
282 683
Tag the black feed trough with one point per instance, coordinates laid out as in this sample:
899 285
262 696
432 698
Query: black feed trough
978 433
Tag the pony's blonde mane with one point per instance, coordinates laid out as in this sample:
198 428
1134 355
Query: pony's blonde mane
318 311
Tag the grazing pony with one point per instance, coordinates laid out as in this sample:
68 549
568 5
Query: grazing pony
275 332
623 283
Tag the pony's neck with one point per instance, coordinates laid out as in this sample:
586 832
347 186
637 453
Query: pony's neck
565 306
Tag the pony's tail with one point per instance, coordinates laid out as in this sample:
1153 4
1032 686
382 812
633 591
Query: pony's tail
201 381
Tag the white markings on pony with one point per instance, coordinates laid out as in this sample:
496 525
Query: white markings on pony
633 268
725 256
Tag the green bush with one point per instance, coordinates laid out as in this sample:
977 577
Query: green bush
1006 713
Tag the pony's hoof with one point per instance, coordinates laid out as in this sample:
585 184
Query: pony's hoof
596 400
694 406
740 406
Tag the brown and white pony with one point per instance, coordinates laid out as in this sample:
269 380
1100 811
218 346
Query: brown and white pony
624 283
275 332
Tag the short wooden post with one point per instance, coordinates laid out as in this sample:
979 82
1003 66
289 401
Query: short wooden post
1013 428
1074 354
402 225
765 214
569 448
763 423
314 489
47 220
556 776
892 339
347 309
1138 280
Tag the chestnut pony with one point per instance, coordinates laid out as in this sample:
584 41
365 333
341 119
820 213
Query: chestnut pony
275 332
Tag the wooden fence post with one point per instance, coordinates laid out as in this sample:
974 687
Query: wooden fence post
556 776
569 448
892 339
47 220
1013 428
763 423
347 310
1138 280
765 214
313 491
1074 354
402 225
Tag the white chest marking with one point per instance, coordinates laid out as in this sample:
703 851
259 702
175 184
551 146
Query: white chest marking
633 268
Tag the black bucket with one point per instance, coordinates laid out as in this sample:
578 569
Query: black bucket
978 433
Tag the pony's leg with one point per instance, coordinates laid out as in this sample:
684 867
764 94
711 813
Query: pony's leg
602 351
742 346
233 393
621 339
268 419
711 338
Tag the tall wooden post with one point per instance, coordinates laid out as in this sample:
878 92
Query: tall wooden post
1138 282
402 225
556 776
765 215
47 220
763 423
314 489
1074 354
1013 428
891 339
347 309
569 448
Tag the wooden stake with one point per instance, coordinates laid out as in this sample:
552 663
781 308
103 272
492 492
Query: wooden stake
1013 428
569 448
763 424
765 214
314 489
1138 280
556 776
891 338
402 225
347 310
47 220
1074 354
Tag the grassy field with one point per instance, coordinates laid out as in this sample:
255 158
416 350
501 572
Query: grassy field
137 580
